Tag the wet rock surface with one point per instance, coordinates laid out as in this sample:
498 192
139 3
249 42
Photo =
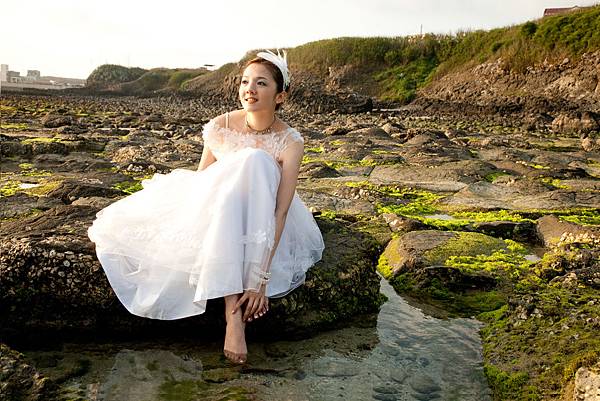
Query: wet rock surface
19 380
372 179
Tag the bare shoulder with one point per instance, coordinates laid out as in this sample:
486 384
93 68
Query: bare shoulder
293 148
220 120
295 136
235 116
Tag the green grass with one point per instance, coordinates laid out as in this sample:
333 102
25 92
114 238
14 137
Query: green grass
400 83
402 65
111 74
520 46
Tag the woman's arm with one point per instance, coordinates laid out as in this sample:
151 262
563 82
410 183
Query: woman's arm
291 158
206 159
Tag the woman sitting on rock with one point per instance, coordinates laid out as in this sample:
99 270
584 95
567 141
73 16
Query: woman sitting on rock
235 228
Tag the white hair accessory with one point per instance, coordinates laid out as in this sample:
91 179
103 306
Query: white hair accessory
280 62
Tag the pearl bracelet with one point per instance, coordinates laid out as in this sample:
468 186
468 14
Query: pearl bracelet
264 277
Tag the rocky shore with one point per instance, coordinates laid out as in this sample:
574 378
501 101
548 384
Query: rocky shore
566 87
495 217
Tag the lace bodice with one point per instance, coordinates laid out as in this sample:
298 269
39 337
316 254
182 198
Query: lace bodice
222 140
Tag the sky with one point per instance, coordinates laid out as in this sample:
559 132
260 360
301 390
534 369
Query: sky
69 38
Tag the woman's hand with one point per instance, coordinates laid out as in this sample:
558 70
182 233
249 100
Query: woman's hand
258 303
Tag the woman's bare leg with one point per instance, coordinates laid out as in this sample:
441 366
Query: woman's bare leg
235 336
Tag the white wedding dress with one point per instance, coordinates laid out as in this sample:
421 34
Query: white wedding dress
189 236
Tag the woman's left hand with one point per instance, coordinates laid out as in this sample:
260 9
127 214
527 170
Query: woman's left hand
257 303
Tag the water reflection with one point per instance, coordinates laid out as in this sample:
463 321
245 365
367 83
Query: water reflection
138 375
405 355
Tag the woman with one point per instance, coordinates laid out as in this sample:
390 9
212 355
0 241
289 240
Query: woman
235 228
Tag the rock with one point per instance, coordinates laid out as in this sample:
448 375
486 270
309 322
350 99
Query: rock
20 203
69 191
401 223
317 170
451 176
489 88
426 138
21 381
423 248
399 376
590 144
422 254
336 130
549 229
153 118
370 132
580 122
587 383
391 128
141 373
55 121
424 384
482 194
523 231
74 299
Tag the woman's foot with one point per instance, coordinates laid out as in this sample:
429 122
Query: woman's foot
235 339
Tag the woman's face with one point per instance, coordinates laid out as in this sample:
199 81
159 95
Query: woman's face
258 89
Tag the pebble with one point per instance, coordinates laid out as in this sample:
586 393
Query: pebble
424 384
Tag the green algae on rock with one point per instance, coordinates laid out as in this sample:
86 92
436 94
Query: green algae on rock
466 272
548 329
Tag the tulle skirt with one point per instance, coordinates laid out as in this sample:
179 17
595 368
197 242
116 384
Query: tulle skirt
189 236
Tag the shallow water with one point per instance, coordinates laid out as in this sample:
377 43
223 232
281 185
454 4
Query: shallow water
408 355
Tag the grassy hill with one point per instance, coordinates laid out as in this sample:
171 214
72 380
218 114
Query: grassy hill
138 81
394 68
401 65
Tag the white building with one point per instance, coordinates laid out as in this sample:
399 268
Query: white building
13 80
3 72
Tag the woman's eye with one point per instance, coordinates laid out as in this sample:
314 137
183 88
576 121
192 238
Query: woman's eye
245 81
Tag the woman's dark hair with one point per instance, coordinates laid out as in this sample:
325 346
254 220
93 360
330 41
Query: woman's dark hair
275 72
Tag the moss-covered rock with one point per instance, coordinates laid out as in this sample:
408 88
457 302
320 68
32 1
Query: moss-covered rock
465 272
51 283
548 330
418 249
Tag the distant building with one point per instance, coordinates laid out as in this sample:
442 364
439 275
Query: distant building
555 11
14 77
35 74
13 80
3 72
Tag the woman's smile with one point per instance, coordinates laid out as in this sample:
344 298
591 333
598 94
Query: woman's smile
257 88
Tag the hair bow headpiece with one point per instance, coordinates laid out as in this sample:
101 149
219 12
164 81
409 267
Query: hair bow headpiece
280 62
